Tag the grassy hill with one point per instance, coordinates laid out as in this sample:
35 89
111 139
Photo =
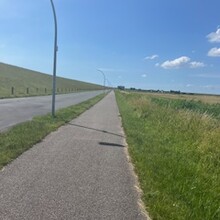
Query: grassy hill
16 81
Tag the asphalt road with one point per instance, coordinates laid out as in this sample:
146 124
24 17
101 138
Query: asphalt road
81 171
17 110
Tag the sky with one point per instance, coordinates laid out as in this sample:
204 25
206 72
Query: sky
146 44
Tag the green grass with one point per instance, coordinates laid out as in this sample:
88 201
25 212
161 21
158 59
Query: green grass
197 106
207 98
23 136
176 154
36 83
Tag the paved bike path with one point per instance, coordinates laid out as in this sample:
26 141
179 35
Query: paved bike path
80 171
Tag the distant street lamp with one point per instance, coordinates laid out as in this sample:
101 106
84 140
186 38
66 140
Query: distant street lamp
54 60
103 77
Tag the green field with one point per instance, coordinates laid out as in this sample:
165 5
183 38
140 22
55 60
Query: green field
210 99
16 82
175 148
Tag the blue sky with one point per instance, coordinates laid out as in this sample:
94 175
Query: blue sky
148 44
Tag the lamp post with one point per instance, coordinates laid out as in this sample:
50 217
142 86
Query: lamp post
54 60
103 77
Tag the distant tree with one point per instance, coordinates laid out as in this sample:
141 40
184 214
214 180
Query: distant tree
121 87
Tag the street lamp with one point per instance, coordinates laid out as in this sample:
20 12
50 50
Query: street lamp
54 60
103 77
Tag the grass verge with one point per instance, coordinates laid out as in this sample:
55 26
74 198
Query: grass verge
23 136
176 155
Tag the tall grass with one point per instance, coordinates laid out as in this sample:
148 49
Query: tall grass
207 98
176 154
198 106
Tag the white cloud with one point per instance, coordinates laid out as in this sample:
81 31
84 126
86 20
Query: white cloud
174 64
151 57
157 64
214 37
214 52
195 64
143 75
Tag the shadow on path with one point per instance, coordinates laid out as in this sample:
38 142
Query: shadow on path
94 129
111 144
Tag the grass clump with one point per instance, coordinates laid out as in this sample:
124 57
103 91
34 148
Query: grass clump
23 136
176 156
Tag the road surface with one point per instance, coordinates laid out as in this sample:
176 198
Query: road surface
17 110
79 172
